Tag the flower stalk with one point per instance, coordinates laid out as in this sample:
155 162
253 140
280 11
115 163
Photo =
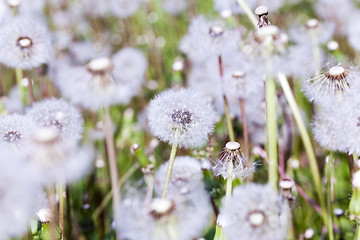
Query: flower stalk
248 12
171 163
328 173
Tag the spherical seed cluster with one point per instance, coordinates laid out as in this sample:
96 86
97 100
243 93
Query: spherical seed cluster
60 115
186 176
181 116
15 131
104 81
255 212
24 44
18 192
179 217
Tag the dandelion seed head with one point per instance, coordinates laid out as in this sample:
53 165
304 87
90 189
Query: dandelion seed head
184 112
15 131
232 153
25 44
60 115
100 65
255 212
186 176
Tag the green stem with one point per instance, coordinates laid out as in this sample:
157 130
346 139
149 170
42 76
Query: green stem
219 233
61 208
111 156
108 197
248 12
229 180
228 121
357 234
171 163
306 140
329 169
271 131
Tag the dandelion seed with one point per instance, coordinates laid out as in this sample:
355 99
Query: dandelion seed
181 111
232 153
255 212
24 44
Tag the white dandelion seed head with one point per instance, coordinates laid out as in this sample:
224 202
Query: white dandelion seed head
12 102
24 44
180 217
332 85
18 194
60 115
232 153
207 39
181 111
58 163
325 129
186 176
255 212
15 131
174 7
125 8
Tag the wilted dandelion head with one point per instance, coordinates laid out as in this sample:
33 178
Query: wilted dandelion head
255 212
24 44
335 82
186 176
15 131
60 115
181 116
232 153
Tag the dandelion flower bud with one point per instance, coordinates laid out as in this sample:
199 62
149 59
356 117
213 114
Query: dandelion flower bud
60 115
255 212
181 116
24 44
232 153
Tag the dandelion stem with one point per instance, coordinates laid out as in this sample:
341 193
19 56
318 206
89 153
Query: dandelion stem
229 180
306 140
248 12
226 105
171 163
111 156
61 208
329 170
30 89
108 197
68 213
271 130
245 131
357 234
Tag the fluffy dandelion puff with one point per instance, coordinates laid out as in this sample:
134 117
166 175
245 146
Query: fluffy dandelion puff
18 194
24 44
186 176
15 131
331 84
232 153
60 115
255 212
180 217
184 112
